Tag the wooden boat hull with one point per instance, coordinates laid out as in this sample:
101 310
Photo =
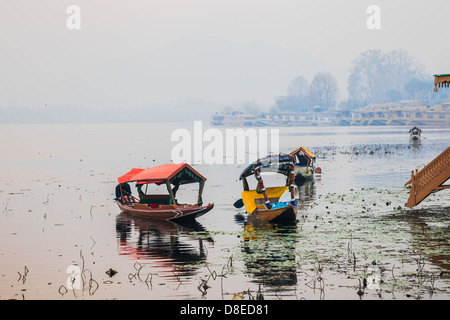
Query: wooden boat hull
284 214
167 212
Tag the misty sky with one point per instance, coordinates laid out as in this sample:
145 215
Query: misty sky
209 53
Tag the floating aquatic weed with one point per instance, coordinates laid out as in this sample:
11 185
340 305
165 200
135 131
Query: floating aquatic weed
111 272
23 276
199 234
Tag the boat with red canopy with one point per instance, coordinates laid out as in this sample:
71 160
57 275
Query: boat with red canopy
161 206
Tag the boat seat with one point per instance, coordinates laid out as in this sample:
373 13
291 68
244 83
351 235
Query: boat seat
155 199
261 200
251 198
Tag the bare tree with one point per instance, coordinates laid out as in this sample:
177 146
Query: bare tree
323 91
377 77
298 87
297 98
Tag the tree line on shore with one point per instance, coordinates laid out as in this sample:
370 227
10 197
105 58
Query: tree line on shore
375 77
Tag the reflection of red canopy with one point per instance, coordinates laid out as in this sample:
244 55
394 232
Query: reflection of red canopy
157 174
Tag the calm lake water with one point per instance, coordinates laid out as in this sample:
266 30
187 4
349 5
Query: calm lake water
354 239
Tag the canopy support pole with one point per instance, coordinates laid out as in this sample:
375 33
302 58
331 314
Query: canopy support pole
292 185
170 192
200 191
245 183
266 199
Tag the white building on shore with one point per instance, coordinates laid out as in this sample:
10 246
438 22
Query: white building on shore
407 113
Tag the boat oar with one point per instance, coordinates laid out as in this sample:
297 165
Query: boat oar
239 203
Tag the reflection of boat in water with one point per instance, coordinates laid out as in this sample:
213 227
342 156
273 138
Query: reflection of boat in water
415 132
167 244
265 203
162 206
304 165
307 192
270 253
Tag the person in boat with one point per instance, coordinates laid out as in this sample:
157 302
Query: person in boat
415 130
123 193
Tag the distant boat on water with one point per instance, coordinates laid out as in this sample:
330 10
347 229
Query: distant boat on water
415 132
304 164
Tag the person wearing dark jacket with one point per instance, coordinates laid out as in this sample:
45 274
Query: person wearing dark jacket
123 193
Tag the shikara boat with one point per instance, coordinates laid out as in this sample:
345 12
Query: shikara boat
415 132
161 206
265 203
304 164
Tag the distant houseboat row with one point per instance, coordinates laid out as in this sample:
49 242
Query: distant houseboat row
404 113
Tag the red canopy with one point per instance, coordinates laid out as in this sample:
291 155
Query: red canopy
127 176
156 174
